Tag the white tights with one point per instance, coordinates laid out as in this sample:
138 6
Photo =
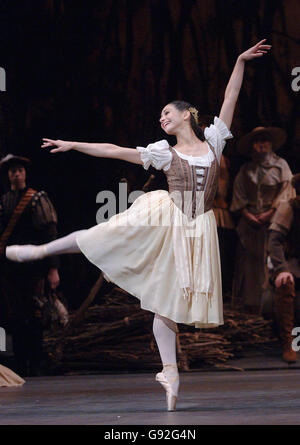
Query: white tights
66 244
164 331
29 252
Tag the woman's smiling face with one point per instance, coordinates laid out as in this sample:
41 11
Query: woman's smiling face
171 119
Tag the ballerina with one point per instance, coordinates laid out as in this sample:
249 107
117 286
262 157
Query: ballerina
172 267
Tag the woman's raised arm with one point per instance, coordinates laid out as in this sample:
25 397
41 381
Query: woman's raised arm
236 79
95 149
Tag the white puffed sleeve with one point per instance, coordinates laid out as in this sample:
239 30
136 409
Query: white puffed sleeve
158 155
217 134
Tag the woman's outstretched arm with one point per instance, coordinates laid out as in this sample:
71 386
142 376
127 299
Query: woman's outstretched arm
235 82
95 149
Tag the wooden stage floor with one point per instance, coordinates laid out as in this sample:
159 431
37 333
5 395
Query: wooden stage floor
260 397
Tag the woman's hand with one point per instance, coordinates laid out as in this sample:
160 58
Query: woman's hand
61 145
257 50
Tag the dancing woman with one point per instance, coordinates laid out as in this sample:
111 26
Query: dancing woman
172 267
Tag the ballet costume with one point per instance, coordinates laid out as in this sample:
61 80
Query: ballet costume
163 249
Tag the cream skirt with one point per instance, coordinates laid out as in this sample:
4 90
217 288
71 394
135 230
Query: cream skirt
136 250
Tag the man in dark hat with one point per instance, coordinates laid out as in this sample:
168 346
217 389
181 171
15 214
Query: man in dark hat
26 216
259 187
284 249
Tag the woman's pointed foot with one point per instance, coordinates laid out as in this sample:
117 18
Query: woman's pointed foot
169 379
171 402
28 252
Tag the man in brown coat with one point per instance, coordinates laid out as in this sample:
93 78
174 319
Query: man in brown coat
284 250
259 187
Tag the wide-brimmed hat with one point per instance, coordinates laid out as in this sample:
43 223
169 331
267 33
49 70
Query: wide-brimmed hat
10 159
276 135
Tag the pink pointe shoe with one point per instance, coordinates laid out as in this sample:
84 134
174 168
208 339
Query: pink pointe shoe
28 252
169 379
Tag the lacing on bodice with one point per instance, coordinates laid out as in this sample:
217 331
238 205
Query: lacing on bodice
188 181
